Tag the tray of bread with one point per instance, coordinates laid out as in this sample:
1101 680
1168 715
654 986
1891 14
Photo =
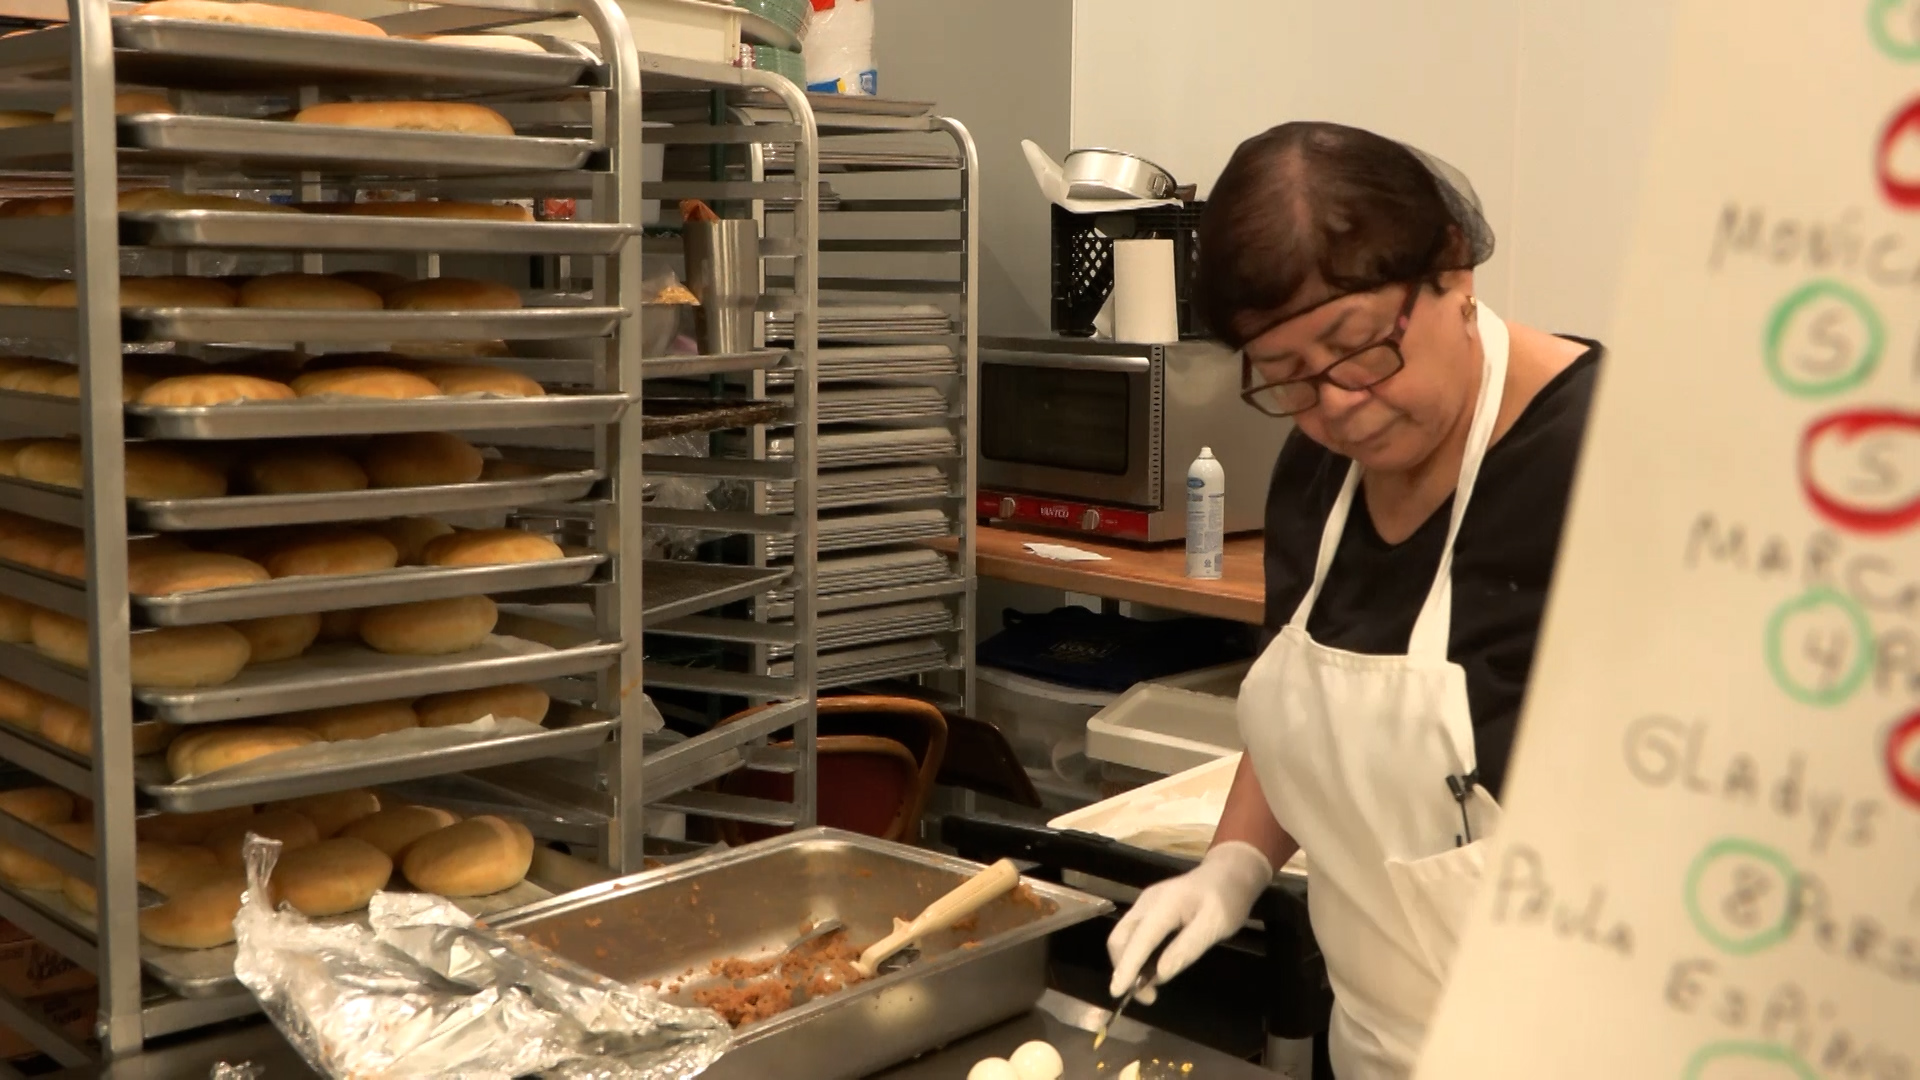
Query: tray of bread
294 768
478 143
198 45
156 217
338 849
171 487
222 325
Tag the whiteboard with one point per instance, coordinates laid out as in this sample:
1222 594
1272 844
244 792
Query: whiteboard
1709 868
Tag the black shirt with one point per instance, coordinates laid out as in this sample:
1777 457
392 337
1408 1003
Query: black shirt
1502 561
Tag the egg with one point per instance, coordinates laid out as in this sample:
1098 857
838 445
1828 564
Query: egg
1037 1061
993 1069
1131 1072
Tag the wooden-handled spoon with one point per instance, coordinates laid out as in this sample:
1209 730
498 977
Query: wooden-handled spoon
973 894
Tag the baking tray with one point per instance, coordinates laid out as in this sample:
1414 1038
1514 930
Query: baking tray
346 674
233 230
339 416
248 511
578 730
199 973
657 924
214 326
669 588
335 592
264 147
664 417
193 55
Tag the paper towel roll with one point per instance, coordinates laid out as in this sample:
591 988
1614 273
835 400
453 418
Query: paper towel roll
1145 310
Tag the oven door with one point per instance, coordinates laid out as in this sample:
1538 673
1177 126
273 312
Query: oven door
1072 426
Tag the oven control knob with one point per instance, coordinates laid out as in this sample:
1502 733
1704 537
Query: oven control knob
1090 520
1007 507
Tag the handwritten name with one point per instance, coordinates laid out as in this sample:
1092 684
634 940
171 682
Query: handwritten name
1665 752
1821 558
1842 243
1522 896
1784 1014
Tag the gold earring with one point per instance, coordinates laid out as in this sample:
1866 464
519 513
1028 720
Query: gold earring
1473 306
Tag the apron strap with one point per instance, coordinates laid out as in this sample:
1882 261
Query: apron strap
1329 545
1434 628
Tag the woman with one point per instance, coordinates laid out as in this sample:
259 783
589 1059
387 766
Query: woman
1411 529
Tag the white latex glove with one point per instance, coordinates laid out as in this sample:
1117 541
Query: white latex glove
1206 905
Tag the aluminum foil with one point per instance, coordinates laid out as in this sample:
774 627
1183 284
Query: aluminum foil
424 992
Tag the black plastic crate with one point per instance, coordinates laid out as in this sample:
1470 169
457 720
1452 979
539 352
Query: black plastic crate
1083 262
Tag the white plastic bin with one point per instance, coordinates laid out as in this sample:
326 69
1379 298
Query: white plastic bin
1163 730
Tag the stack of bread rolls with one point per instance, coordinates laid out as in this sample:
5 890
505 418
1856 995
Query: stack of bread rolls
283 292
337 850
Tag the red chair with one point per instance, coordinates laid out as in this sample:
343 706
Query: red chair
863 743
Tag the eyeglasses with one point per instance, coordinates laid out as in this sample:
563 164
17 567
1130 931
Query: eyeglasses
1365 367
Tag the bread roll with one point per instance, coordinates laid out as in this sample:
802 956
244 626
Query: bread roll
344 723
440 116
155 199
429 627
298 470
20 705
332 877
438 209
13 118
498 42
293 829
222 745
339 626
175 572
450 350
475 857
455 379
70 728
34 380
195 390
132 384
150 292
307 292
368 382
410 535
152 471
16 620
70 561
422 459
198 914
395 828
126 103
332 551
380 281
454 294
31 871
278 637
522 700
334 810
490 547
40 549
176 657
157 865
251 14
38 805
19 289
9 449
187 828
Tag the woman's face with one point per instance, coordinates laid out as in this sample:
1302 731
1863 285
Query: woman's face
1396 424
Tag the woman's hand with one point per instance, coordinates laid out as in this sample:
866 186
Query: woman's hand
1205 905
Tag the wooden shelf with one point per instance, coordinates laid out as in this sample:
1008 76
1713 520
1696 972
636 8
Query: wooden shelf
1155 576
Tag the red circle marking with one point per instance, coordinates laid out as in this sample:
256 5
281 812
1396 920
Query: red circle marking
1905 780
1848 426
1904 193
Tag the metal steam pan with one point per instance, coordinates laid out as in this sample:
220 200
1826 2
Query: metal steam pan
748 901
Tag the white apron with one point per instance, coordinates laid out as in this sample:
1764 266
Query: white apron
1353 752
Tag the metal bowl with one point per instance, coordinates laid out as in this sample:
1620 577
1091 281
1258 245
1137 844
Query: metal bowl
1114 174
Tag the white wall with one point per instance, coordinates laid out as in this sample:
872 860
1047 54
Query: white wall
1544 104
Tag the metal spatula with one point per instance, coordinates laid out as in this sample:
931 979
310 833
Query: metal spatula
894 951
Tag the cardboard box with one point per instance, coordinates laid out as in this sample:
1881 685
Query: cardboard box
72 1014
29 969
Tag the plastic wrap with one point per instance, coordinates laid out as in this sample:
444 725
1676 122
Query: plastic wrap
677 493
426 994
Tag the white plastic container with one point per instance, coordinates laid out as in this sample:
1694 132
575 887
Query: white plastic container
706 30
1206 516
1163 730
1046 724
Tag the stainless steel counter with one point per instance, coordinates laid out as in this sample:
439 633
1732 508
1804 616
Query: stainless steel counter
1066 1023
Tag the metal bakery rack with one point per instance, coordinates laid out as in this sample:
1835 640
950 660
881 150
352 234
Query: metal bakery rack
572 457
894 413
